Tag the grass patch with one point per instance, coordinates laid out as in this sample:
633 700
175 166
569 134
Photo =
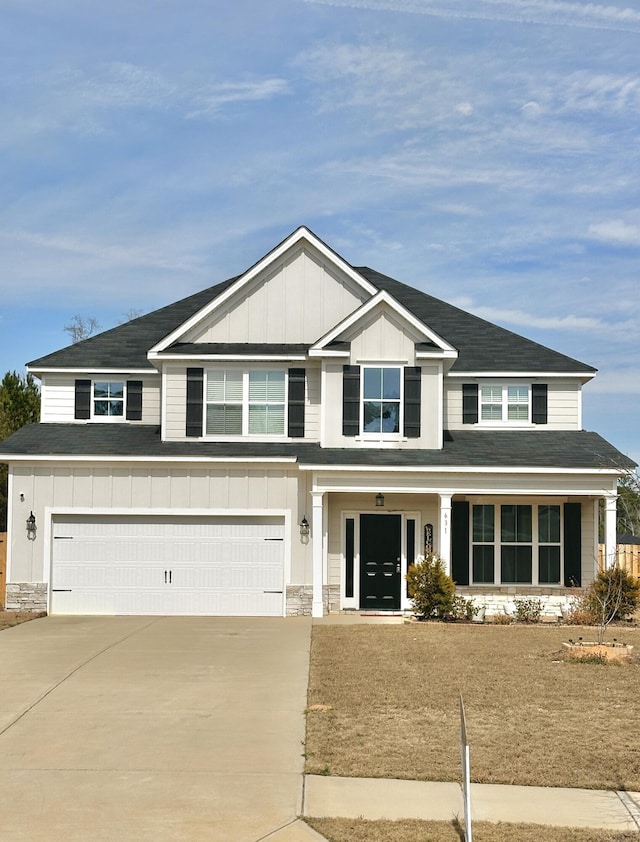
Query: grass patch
389 697
8 619
360 830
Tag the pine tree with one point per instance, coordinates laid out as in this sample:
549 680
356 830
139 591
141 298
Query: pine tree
19 405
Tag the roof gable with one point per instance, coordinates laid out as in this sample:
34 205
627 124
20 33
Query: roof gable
379 311
293 295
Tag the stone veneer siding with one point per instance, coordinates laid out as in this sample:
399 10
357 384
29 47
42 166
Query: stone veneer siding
26 596
299 599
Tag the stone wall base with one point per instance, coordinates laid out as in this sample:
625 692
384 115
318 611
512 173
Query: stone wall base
554 604
26 596
300 597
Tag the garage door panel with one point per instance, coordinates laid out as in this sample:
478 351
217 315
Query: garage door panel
143 565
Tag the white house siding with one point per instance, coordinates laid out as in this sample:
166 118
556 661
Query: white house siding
150 488
58 395
563 402
382 338
175 402
270 309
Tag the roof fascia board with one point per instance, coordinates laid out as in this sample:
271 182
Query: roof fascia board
383 297
222 357
293 239
77 370
582 375
459 469
84 457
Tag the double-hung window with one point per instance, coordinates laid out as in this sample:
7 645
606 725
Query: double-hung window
381 400
240 403
502 403
514 535
108 399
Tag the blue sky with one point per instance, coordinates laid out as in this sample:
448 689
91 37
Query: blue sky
485 151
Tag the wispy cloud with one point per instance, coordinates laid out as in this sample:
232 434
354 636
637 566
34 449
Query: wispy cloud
547 12
616 232
524 319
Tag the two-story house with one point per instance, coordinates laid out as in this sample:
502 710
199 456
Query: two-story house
290 440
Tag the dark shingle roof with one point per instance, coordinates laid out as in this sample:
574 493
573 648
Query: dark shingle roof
126 346
560 449
241 348
481 345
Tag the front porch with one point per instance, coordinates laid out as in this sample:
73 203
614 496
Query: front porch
495 545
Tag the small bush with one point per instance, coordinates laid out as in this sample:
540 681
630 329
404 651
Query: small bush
463 608
502 620
613 592
528 610
430 588
580 613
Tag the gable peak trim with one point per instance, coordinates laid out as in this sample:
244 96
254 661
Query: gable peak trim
381 298
301 234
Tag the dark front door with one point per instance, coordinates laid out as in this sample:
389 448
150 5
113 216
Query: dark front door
380 562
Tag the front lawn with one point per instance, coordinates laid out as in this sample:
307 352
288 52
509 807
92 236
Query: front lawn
383 702
360 830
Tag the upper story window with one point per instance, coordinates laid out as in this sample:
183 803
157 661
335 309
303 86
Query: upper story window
504 403
245 402
510 404
108 399
381 400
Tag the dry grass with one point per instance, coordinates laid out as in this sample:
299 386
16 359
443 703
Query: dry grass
533 718
14 618
360 830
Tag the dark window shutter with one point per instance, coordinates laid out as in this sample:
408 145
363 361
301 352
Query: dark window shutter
134 400
460 542
195 386
296 403
572 545
350 400
539 403
412 383
83 400
469 403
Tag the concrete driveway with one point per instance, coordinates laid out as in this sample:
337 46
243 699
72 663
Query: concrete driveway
144 728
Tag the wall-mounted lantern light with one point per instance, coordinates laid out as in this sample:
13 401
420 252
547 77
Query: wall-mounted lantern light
31 527
379 499
304 530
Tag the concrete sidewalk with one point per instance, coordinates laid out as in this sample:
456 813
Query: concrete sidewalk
382 798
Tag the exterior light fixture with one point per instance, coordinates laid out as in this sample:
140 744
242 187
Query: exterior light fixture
304 530
379 499
31 527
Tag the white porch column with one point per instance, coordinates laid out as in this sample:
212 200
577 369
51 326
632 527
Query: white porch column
317 537
444 540
610 540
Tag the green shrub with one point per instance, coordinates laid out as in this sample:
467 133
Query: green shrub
463 608
430 588
614 594
528 610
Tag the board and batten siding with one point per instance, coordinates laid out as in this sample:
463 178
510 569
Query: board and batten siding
563 403
383 338
145 488
57 405
298 300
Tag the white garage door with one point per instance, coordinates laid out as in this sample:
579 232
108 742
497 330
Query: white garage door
181 566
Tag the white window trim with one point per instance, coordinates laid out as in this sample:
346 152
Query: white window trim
382 436
504 421
109 419
245 404
498 543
